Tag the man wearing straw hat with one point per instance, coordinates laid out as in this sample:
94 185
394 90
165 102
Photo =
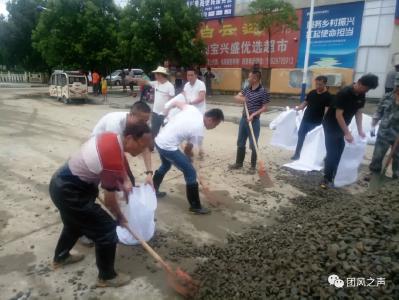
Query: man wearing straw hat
164 91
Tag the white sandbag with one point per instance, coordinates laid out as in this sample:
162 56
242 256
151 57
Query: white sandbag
351 159
366 124
140 214
276 121
285 134
313 152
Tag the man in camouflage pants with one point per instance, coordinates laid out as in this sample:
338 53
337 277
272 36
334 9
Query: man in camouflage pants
388 113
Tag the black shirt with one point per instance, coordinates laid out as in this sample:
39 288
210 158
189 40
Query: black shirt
317 104
349 102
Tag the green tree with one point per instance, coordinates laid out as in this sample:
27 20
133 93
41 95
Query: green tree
273 16
15 36
73 34
154 30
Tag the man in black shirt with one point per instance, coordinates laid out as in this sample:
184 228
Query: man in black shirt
316 103
349 102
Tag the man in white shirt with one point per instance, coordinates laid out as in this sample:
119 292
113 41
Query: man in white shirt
195 91
188 125
116 122
164 91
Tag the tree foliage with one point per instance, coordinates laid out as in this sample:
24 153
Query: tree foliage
155 30
76 34
272 16
16 49
87 34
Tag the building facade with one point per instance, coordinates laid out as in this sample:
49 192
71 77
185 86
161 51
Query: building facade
349 38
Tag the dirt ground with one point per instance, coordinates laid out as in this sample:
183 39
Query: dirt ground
38 134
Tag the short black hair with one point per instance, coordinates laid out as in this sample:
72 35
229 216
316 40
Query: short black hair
321 78
215 114
257 73
370 80
140 106
136 130
192 69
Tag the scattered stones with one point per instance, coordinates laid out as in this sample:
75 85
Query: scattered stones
323 233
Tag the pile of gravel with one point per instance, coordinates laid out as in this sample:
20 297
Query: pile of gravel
322 233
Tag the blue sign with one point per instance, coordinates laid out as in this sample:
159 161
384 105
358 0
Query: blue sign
397 13
335 35
214 9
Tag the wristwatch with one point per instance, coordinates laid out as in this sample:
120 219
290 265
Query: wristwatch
149 172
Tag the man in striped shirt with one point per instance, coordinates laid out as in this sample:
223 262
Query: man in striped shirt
256 97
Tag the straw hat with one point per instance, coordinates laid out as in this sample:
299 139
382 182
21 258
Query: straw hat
161 70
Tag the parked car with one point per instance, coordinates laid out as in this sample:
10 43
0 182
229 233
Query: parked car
116 76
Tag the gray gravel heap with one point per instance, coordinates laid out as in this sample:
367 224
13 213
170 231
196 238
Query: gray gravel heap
322 233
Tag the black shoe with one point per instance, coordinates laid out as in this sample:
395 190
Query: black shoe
252 171
160 194
239 159
200 211
192 192
235 166
157 179
325 184
295 157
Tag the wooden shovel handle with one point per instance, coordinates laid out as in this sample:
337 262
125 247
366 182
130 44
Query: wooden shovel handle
252 130
143 243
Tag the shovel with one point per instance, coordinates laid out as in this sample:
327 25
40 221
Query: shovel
179 280
378 180
263 174
211 197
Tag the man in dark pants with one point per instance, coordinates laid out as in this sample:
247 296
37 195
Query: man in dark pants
348 103
187 125
256 97
74 188
208 80
316 103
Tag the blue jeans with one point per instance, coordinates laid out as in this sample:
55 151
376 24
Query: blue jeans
244 132
180 161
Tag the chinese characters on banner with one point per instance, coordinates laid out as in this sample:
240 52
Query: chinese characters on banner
212 9
237 42
335 35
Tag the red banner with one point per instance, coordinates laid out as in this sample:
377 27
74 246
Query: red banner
236 42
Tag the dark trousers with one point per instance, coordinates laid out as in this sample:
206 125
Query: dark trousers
156 123
80 215
244 132
208 86
381 148
335 145
304 128
388 90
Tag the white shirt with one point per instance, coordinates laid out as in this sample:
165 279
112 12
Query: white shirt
163 92
186 125
192 92
112 122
